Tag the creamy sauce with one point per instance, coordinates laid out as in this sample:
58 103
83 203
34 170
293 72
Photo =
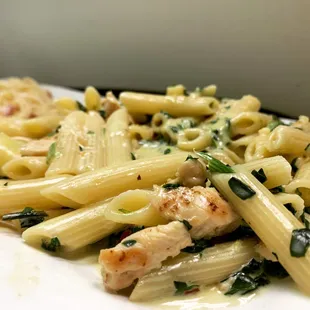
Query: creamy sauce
208 298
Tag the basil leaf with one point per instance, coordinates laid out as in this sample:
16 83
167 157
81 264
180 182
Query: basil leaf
187 224
199 245
133 157
54 132
190 157
242 190
182 288
300 241
90 132
124 211
174 129
260 175
274 269
214 164
81 106
102 113
166 114
51 153
52 246
169 186
293 165
289 207
129 243
167 151
275 123
277 190
242 284
307 148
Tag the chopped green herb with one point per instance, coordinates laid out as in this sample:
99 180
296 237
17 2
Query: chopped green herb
129 243
169 186
242 190
293 164
124 211
81 106
199 245
51 153
300 241
53 245
227 107
139 177
166 114
81 148
305 217
133 157
274 269
6 184
90 132
275 255
214 121
187 224
167 151
277 190
102 113
243 284
260 175
54 132
214 164
190 157
307 148
174 129
274 123
183 289
289 207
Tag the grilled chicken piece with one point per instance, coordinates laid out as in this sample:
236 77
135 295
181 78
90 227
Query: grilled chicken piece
204 209
36 147
141 252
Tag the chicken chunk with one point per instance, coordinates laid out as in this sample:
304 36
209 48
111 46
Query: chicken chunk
141 252
203 208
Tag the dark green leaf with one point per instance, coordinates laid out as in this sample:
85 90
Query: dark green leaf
28 217
129 243
116 238
102 113
242 284
242 190
6 184
81 148
81 106
166 114
260 175
274 269
183 289
277 190
190 157
214 164
293 164
304 219
124 211
227 107
289 207
53 245
51 153
300 242
199 245
214 121
169 186
187 224
133 157
90 132
274 123
54 132
307 148
174 129
167 151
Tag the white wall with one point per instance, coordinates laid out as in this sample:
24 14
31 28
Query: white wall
245 46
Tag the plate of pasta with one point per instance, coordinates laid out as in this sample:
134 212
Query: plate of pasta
179 201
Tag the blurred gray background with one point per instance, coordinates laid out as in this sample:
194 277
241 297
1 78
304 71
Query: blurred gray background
259 47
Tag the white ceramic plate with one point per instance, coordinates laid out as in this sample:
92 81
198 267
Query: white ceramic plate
31 279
